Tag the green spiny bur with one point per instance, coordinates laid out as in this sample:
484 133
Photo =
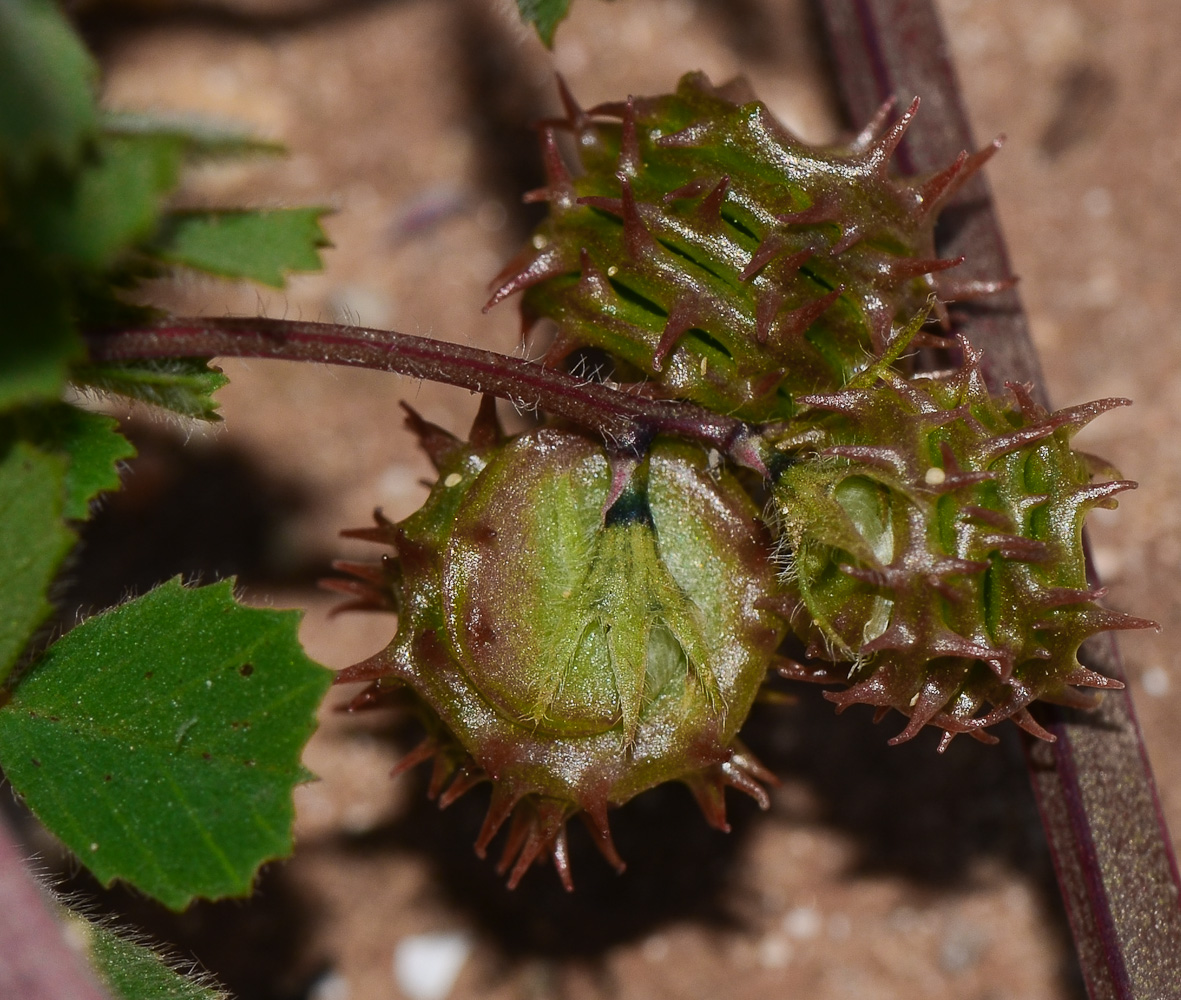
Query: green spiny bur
576 632
934 536
718 257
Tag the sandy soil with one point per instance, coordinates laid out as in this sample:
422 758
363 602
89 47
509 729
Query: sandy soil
878 872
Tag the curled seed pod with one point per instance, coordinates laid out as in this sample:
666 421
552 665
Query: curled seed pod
575 633
934 535
717 256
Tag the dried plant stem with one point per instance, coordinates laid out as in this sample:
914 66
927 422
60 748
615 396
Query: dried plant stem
1094 787
627 420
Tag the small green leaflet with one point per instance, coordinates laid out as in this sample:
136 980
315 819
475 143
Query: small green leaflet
133 971
182 385
544 15
33 541
112 203
161 740
91 441
46 86
262 245
53 461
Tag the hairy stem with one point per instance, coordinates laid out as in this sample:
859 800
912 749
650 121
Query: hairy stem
1094 787
38 963
627 420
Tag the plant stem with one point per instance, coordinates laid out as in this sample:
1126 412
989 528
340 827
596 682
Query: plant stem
627 420
1094 786
37 963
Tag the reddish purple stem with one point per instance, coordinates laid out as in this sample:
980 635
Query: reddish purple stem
626 419
1094 787
36 962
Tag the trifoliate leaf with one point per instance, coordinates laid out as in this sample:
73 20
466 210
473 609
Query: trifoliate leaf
46 86
544 15
90 441
33 542
134 971
182 385
114 202
161 740
261 245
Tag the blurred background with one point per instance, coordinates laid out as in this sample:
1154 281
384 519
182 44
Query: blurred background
879 872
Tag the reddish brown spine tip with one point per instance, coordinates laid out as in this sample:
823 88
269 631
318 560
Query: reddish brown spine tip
866 137
629 144
880 153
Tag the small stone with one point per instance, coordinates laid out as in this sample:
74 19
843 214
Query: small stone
960 949
426 966
655 949
1156 682
803 923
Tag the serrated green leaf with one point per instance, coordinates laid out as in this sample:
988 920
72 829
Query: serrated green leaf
134 971
88 219
33 542
161 740
263 246
46 86
544 15
182 385
90 441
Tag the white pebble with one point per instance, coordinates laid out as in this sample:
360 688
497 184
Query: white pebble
427 965
1156 682
655 949
803 922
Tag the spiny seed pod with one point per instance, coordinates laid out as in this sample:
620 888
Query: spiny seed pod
576 634
718 257
933 534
